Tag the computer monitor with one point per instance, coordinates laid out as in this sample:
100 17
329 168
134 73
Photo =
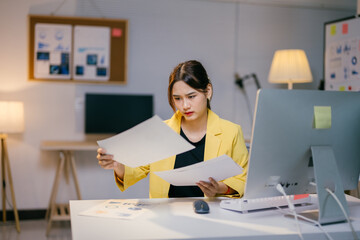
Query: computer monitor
115 113
287 148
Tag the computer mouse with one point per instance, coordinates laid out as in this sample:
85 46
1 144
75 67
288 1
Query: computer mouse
201 207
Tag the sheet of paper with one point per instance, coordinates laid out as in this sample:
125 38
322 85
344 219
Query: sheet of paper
322 117
218 168
121 209
52 51
147 142
92 53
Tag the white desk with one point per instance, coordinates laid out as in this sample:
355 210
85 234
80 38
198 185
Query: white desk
175 219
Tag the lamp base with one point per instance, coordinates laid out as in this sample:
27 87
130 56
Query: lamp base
290 85
5 164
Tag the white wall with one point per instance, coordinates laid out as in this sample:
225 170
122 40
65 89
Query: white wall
225 37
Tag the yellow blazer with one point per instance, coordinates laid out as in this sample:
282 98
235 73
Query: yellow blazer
222 137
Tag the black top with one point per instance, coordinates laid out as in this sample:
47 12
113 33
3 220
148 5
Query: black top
193 156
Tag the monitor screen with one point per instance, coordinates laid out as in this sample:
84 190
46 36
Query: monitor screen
284 131
115 113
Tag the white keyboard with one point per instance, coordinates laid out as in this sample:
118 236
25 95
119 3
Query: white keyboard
249 205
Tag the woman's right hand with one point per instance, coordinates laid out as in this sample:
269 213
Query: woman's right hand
106 161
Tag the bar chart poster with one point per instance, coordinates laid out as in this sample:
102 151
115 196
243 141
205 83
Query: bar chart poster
91 53
52 51
342 55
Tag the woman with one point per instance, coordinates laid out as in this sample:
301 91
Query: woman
189 94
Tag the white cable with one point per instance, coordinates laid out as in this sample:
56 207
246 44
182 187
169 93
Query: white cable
97 8
310 220
291 207
344 212
58 7
312 183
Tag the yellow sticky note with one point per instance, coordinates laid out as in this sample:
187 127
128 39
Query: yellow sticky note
322 117
332 30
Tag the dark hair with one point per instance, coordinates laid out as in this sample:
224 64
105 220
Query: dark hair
192 73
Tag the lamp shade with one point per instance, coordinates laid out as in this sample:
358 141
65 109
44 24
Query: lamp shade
11 117
290 66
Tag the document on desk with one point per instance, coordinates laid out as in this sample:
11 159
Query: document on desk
118 208
147 142
218 168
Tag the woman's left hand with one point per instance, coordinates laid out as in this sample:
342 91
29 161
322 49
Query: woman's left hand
213 187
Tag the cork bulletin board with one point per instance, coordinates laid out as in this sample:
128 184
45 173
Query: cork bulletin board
77 49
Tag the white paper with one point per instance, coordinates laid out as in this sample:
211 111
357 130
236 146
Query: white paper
52 51
218 168
121 209
91 53
147 142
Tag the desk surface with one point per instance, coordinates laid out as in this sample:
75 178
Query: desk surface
69 145
175 219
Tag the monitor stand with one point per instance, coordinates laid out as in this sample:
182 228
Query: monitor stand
327 176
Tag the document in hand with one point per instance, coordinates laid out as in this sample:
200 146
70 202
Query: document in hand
147 142
218 168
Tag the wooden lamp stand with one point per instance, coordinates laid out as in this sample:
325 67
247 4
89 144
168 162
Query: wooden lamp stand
5 167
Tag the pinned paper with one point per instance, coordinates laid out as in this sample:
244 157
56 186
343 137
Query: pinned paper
345 28
333 30
116 32
322 117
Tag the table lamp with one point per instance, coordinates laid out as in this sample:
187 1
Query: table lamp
11 121
290 66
